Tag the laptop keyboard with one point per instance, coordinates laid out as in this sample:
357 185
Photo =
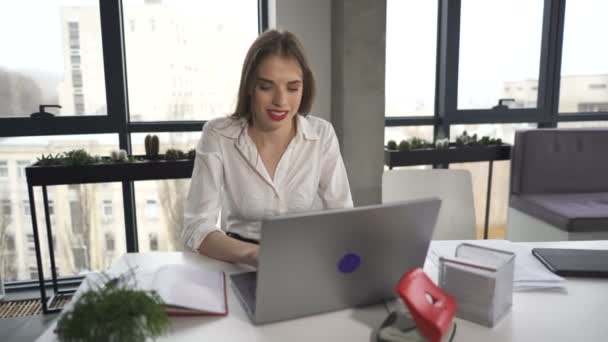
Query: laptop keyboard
245 284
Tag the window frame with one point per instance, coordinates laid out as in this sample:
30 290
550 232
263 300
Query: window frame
117 119
446 112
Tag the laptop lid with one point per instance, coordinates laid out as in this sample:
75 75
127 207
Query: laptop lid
323 261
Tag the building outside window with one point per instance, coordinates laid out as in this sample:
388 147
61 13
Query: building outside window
110 242
3 169
21 165
6 210
107 211
26 208
151 209
74 35
153 241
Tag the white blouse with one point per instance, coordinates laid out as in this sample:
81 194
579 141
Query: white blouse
230 175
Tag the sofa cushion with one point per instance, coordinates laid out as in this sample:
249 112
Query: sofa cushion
581 212
560 161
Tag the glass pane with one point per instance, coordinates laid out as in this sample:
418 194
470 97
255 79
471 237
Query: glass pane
160 204
499 53
79 214
56 61
183 141
196 71
499 197
584 74
403 133
411 46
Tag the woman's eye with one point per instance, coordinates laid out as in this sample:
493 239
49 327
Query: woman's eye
264 87
293 89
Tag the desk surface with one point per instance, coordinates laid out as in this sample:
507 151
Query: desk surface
578 315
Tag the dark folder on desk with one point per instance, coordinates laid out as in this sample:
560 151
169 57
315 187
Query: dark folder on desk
574 262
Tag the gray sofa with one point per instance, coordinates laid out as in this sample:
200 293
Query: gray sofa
559 179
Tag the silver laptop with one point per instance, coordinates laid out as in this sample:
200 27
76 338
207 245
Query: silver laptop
330 260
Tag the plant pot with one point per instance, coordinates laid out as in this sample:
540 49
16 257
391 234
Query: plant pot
453 154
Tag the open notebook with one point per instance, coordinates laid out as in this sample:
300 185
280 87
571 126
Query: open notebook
186 290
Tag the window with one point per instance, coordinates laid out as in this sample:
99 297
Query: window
77 217
75 59
51 205
30 243
77 78
21 165
35 63
593 107
109 242
132 24
3 169
26 208
79 104
33 273
597 86
6 208
74 35
584 74
411 39
153 242
107 211
499 201
499 53
9 243
151 209
210 78
81 260
29 148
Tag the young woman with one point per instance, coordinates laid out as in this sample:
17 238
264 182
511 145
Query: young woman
268 158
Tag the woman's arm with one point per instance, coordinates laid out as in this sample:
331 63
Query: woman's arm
219 246
334 189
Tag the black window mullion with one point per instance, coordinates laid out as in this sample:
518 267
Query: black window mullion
446 94
166 126
263 20
550 61
117 99
90 124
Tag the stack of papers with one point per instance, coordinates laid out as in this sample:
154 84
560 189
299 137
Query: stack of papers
186 289
529 273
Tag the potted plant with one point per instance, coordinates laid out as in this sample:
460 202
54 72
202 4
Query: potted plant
465 148
78 166
114 311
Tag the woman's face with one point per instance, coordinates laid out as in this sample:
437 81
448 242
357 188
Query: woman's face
277 93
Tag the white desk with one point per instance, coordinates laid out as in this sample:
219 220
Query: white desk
581 314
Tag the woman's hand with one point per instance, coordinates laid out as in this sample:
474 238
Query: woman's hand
219 246
250 257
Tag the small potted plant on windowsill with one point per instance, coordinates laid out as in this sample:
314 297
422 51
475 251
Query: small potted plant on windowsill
78 166
465 148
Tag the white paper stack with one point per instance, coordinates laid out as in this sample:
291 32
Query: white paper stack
481 281
529 273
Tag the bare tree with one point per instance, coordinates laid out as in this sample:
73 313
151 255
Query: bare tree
82 239
172 192
8 268
19 94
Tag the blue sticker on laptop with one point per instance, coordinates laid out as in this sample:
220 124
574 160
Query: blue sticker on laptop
349 263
